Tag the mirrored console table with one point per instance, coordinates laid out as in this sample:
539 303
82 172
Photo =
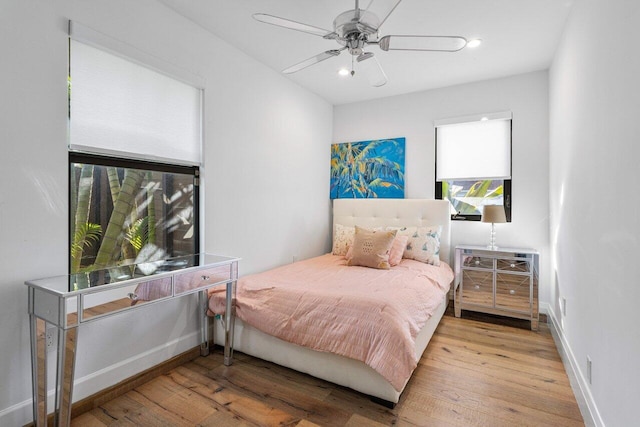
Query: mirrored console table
64 303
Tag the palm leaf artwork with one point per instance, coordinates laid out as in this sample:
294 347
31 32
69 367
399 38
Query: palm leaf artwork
368 169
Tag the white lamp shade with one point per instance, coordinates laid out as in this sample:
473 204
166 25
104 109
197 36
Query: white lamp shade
494 214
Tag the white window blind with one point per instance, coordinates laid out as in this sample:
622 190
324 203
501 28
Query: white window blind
471 150
119 106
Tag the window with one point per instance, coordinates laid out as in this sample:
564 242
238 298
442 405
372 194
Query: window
122 211
134 154
473 164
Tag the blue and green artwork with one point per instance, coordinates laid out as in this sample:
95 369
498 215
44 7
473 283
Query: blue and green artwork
368 169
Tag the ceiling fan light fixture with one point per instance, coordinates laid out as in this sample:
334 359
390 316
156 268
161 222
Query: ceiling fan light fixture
474 43
343 72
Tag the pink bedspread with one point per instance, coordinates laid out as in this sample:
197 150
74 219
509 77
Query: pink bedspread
362 313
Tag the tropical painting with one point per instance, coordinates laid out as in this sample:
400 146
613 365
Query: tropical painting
368 169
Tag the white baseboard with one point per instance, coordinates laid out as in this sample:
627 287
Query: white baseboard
581 390
22 413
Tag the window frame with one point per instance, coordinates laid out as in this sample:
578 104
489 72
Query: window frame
131 163
507 183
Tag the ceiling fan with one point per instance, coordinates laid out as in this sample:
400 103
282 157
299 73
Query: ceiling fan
358 29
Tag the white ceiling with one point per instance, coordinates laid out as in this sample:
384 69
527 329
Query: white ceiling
518 36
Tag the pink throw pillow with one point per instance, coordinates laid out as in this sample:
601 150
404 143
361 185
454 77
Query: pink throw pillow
397 249
349 254
371 248
395 254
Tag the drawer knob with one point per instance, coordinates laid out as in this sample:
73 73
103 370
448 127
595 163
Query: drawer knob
476 286
513 265
512 292
132 296
205 277
477 262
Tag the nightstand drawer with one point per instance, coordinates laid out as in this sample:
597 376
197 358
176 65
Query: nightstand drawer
478 262
477 287
513 292
519 266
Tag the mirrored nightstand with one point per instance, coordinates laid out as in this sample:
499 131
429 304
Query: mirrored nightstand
502 282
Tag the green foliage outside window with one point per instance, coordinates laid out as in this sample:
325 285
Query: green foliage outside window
468 197
119 212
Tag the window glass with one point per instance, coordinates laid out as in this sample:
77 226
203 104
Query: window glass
467 197
124 211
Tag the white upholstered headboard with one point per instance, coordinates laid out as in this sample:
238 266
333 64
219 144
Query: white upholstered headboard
397 213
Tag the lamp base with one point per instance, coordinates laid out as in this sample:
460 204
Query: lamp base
492 242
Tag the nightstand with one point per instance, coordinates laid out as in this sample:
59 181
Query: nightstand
502 281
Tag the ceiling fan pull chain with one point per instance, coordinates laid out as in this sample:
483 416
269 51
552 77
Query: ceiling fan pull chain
353 71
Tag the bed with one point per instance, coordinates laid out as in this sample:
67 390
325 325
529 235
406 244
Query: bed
371 377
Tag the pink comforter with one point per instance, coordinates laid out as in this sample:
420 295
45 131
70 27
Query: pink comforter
362 313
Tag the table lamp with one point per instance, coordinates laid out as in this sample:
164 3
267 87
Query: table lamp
493 214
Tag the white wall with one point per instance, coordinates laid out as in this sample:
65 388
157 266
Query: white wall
412 116
594 129
266 178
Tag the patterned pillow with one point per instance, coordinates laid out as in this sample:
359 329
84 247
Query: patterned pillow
371 248
342 239
423 244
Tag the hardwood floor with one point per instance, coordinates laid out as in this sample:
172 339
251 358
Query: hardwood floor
477 371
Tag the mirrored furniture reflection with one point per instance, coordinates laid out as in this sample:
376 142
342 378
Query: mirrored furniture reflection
64 303
503 281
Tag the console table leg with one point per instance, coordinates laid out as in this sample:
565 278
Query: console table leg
39 370
203 303
229 323
67 341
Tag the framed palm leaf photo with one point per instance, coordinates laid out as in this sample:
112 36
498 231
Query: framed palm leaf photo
368 169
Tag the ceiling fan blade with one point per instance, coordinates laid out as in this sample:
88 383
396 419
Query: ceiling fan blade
382 9
428 43
364 56
373 71
311 61
292 25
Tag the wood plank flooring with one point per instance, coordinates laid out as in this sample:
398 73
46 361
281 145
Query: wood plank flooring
477 371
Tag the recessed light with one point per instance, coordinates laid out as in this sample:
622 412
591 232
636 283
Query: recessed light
474 43
343 72
484 119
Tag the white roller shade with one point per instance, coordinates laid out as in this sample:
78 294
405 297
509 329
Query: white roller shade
120 106
474 150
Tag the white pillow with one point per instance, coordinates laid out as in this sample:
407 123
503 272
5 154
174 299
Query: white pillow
423 244
342 239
